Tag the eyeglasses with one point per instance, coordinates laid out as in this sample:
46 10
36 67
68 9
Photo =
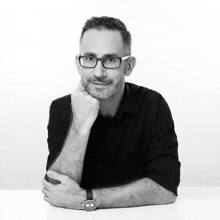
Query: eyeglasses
107 62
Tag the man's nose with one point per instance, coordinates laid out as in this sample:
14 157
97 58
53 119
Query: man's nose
99 70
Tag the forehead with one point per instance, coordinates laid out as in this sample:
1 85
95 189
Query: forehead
101 42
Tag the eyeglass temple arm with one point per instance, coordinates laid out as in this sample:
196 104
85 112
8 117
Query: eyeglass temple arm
126 57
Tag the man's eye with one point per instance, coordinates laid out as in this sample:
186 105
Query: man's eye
90 58
111 59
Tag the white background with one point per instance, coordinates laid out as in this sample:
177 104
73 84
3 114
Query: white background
177 46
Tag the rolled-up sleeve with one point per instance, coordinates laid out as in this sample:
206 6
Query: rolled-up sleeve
162 162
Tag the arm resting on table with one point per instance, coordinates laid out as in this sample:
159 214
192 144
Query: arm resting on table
139 193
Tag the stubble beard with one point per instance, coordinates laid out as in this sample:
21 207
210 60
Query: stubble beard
103 94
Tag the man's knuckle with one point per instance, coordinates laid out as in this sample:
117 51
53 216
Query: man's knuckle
65 178
73 94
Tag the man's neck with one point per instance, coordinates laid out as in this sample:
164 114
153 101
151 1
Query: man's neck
109 107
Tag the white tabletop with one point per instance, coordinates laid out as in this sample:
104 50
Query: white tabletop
192 203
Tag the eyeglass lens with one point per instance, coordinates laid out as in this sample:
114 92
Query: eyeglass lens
107 62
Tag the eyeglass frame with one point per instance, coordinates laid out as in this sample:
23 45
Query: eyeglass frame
101 59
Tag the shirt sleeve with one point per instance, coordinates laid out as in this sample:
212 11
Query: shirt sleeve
56 135
162 162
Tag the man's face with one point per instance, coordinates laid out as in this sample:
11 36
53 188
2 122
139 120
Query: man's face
100 82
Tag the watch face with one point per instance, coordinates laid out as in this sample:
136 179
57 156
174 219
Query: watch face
90 205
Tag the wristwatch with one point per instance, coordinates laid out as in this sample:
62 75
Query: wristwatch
90 204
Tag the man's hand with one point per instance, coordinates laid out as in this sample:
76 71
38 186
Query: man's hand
67 194
85 108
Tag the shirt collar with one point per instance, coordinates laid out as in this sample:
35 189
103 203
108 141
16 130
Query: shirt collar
128 102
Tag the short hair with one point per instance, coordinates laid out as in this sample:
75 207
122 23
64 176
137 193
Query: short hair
109 23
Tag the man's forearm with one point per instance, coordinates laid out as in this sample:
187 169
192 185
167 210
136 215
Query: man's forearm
139 193
71 159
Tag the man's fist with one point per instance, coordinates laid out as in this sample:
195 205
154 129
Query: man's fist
85 108
67 194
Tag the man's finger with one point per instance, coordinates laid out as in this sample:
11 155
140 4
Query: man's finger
45 191
47 185
47 199
57 176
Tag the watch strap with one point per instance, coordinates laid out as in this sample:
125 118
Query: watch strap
89 194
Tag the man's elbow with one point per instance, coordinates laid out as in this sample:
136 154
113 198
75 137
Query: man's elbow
169 199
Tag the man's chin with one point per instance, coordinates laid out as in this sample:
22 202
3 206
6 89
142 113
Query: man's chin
99 95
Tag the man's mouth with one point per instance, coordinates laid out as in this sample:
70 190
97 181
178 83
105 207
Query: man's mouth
100 83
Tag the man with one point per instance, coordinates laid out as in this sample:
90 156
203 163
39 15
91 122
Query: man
111 143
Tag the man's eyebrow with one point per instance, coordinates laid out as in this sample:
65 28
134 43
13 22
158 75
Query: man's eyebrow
106 55
89 54
111 55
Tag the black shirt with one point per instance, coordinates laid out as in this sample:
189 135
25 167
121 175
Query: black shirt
138 142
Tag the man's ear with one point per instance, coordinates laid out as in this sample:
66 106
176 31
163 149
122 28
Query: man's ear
130 66
77 63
